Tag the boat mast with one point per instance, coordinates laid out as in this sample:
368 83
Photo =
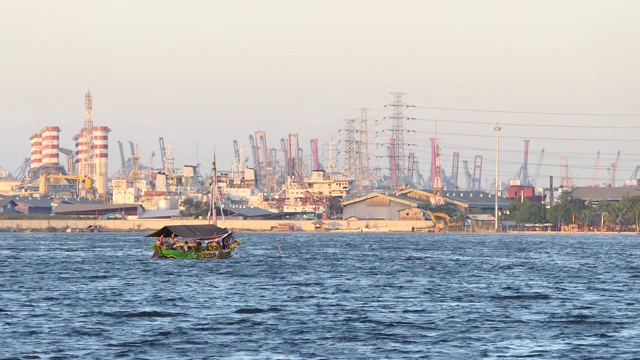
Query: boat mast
214 190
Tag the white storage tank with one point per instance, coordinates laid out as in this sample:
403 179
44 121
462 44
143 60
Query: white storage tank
164 204
167 204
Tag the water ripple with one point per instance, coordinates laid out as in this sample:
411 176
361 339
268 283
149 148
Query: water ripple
326 296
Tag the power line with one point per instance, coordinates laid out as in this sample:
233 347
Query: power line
532 137
525 112
527 124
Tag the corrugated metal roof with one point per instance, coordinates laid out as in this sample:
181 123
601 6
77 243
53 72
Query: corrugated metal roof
4 202
247 211
477 199
159 214
81 201
71 208
190 231
33 202
604 193
481 217
471 199
392 197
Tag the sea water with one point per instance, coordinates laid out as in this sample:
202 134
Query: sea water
322 296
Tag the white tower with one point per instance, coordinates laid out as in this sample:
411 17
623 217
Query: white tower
36 151
50 146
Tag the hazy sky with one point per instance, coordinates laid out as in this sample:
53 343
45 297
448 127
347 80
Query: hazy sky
203 73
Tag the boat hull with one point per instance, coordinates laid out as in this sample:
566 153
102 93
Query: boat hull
196 255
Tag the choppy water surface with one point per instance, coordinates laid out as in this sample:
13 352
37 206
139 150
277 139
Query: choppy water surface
330 296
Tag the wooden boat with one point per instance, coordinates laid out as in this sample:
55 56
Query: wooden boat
193 242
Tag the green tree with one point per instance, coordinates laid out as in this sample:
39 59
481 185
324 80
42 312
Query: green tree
531 212
194 207
187 205
630 208
612 213
567 211
512 210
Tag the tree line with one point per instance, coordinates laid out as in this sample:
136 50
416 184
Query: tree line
578 214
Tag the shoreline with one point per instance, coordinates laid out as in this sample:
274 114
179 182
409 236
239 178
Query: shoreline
326 226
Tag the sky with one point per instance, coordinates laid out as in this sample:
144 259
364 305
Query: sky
200 74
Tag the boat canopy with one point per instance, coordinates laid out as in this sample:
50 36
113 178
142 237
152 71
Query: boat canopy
195 232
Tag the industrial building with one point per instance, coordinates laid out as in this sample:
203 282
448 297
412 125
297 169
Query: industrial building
281 179
599 194
383 206
86 172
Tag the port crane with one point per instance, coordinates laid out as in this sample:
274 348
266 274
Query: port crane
23 172
537 173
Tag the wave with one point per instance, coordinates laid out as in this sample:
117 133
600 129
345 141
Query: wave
250 311
146 314
518 297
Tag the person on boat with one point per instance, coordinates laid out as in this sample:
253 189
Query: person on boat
159 242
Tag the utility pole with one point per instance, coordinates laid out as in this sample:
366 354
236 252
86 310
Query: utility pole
497 130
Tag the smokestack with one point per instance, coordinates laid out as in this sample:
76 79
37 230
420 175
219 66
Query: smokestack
550 191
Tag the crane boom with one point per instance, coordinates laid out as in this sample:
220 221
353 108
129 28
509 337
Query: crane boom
122 159
595 170
614 169
163 153
535 176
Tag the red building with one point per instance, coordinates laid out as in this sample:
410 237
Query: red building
522 192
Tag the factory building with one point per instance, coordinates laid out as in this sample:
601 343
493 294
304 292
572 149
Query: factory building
92 159
92 150
46 175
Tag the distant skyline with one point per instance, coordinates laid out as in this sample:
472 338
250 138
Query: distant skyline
201 74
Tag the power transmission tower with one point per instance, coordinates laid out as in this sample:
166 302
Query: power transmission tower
350 161
437 181
565 177
85 141
397 131
364 180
